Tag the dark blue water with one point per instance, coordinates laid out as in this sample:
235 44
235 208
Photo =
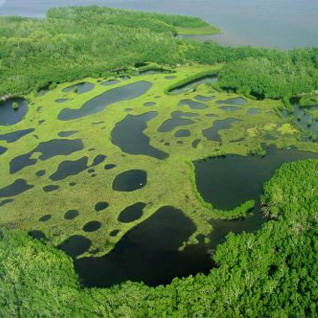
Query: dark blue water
280 23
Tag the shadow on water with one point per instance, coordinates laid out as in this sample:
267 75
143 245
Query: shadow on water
194 83
129 137
11 116
110 82
100 102
148 253
79 88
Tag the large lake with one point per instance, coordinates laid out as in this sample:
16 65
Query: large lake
270 23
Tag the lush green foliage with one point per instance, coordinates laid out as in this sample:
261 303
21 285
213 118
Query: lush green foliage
272 273
77 42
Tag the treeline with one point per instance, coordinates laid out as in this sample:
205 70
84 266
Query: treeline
272 273
261 72
76 42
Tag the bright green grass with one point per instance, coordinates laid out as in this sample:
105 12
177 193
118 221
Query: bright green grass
198 31
170 182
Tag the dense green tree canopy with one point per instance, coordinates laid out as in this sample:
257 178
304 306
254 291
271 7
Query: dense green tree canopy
77 42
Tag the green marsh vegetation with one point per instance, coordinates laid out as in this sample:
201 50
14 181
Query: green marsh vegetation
269 273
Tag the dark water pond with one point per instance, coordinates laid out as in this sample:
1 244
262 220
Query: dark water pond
48 149
50 188
110 82
73 167
192 104
148 253
67 133
194 83
130 180
110 166
79 88
45 218
100 206
195 143
182 133
212 133
149 104
9 116
238 101
92 226
229 108
132 213
100 102
16 135
227 182
173 122
253 111
69 168
62 100
76 245
71 214
154 71
17 187
2 150
128 135
201 98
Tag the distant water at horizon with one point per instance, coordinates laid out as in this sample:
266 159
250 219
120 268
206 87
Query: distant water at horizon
271 23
